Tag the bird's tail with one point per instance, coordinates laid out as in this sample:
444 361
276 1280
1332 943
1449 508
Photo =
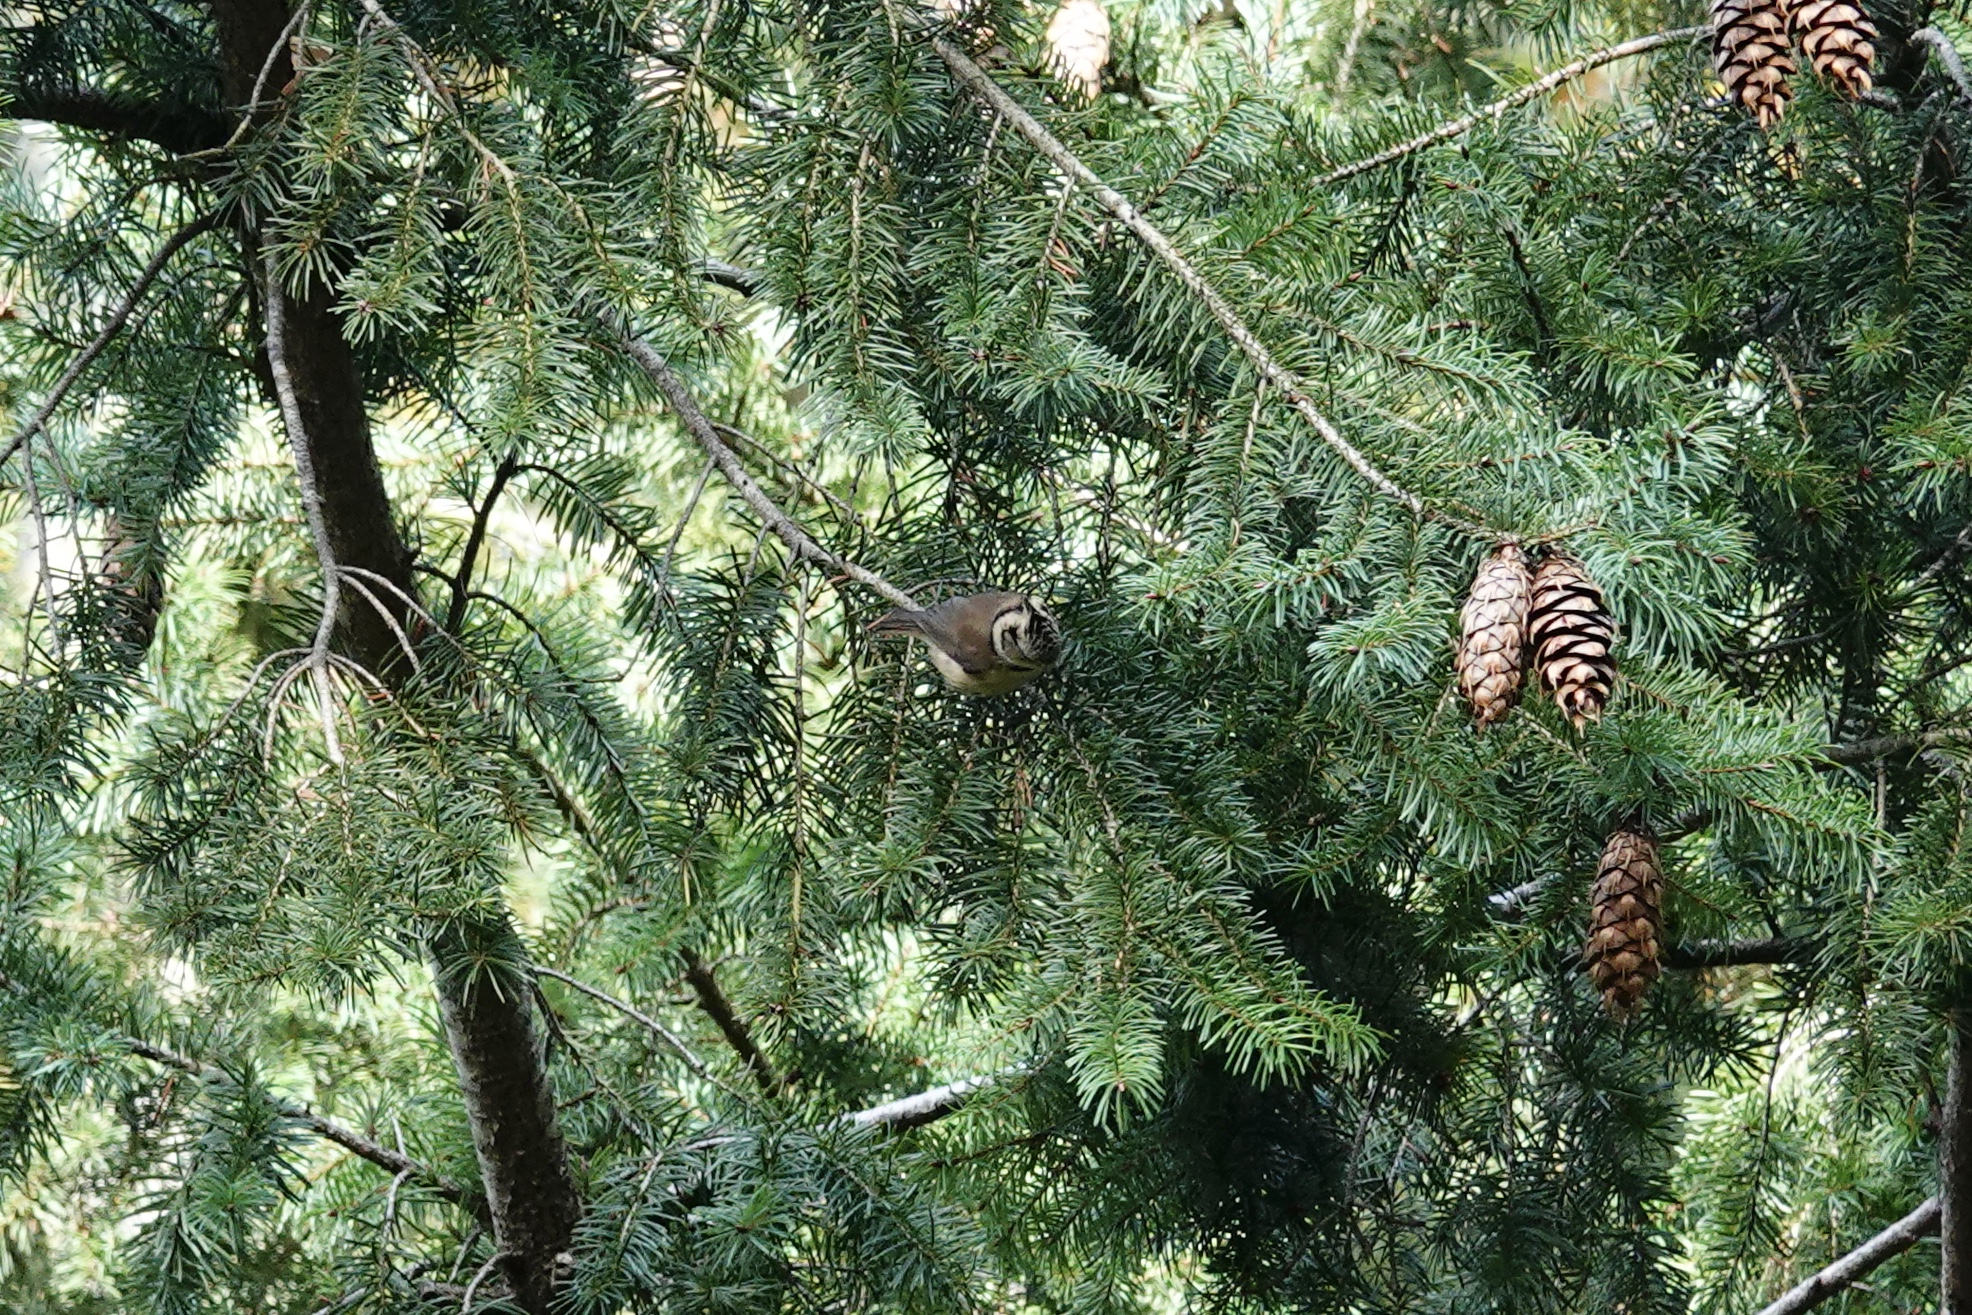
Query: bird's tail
901 621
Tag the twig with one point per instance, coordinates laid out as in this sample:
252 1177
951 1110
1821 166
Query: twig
118 318
253 106
1948 56
657 1029
462 581
779 522
465 1302
1444 132
1892 1241
976 81
714 1002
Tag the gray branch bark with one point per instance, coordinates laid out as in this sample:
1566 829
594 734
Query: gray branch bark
1891 1242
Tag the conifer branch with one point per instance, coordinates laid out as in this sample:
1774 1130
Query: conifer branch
975 80
720 1009
1832 1278
341 1134
1534 90
113 326
784 527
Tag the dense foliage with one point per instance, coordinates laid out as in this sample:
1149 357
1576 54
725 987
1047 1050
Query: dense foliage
1268 961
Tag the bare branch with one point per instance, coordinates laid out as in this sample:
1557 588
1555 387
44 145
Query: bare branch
714 1002
783 526
975 80
1892 1241
1534 90
113 326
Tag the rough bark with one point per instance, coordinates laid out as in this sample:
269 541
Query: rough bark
489 1022
1955 1170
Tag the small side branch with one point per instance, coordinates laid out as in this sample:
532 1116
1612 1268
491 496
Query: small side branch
1532 91
975 80
636 1015
720 1010
1891 1242
113 326
396 1162
783 526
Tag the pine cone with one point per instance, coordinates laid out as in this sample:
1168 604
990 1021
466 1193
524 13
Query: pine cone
1749 49
1078 45
1573 639
1626 922
1492 646
1838 40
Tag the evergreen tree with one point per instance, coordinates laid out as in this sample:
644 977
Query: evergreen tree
463 848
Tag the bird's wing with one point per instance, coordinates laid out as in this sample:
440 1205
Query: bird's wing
963 627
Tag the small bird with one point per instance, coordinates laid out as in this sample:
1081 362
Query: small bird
985 644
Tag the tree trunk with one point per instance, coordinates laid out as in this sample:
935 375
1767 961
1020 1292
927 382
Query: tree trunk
489 1019
1955 1171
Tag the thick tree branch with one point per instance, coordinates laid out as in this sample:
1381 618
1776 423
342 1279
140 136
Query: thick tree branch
1732 954
784 527
1891 1242
1890 746
111 327
341 1134
720 1010
990 93
1534 90
180 129
925 1107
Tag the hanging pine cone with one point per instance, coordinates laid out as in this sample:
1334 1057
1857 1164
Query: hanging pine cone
1838 40
1492 646
1573 639
1749 50
1078 45
1626 922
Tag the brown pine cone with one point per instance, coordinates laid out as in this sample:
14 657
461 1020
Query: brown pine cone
1839 41
1749 50
1626 922
1573 639
1492 646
